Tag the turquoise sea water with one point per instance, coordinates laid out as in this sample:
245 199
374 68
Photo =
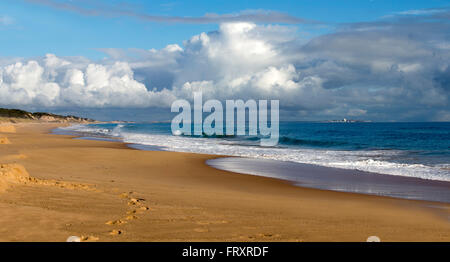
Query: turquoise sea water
420 150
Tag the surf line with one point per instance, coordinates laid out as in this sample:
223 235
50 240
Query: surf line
213 124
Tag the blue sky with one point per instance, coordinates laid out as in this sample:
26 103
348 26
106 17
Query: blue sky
67 33
375 60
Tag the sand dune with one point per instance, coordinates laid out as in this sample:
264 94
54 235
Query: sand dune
17 174
12 174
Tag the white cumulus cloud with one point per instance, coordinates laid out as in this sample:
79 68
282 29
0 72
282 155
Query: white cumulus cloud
381 72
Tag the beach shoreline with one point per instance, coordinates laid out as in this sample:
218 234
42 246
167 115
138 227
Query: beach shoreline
106 191
311 175
338 179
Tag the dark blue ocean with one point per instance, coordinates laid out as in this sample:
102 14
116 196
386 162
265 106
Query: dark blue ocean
419 150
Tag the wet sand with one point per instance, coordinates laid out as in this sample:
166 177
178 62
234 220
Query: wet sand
55 186
338 179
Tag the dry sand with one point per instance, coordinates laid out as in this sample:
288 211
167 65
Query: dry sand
6 128
53 187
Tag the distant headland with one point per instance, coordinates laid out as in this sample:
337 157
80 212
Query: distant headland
17 115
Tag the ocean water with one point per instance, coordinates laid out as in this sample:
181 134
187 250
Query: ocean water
419 150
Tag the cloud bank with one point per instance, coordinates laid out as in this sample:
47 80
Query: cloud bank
393 69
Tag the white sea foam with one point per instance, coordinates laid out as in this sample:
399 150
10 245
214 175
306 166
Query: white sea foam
87 129
371 160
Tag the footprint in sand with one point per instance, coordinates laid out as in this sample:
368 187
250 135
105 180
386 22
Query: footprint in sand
11 174
135 201
116 222
4 141
131 217
131 212
116 232
17 174
89 238
126 195
137 205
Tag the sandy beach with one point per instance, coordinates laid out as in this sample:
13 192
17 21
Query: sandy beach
54 186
